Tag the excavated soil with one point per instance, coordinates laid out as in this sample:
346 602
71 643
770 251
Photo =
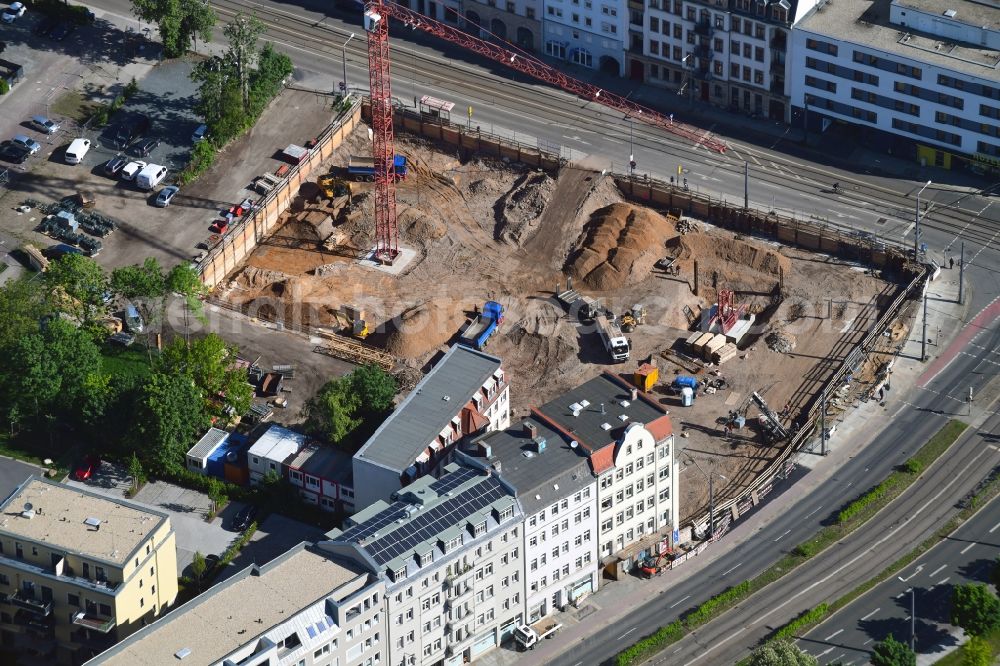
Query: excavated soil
519 210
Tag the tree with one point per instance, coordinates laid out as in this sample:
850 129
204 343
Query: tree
179 21
376 389
891 652
144 280
995 576
79 286
780 653
975 609
185 281
212 364
243 33
135 471
272 70
198 568
22 306
977 652
170 416
216 493
332 411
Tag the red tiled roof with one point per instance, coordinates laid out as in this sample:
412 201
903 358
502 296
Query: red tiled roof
473 421
661 428
603 459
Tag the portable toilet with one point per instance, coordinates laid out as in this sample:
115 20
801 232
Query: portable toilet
687 396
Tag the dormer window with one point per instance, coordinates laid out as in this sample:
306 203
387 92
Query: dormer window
426 558
399 574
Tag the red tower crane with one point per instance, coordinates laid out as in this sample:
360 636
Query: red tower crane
377 14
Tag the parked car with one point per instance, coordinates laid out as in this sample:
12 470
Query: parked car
199 134
76 151
122 338
12 152
166 195
144 148
132 129
29 144
62 30
115 165
60 250
16 10
130 170
243 519
44 125
150 177
46 26
86 468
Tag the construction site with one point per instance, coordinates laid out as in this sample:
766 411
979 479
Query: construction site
719 317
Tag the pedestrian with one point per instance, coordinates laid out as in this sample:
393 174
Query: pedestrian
671 119
951 262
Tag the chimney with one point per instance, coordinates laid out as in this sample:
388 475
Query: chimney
496 466
635 394
602 409
530 430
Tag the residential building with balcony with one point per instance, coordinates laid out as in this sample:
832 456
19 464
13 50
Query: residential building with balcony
446 11
464 395
588 33
305 608
451 552
79 571
915 77
628 439
729 53
553 482
515 21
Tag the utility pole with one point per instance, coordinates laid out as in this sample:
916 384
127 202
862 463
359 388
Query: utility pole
822 425
961 276
631 147
916 226
970 401
343 60
746 185
923 338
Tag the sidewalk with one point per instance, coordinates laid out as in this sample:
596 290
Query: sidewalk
616 600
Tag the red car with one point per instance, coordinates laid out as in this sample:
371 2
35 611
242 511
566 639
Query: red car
86 468
219 226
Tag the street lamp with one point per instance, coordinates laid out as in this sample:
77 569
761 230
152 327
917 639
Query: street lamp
690 83
343 60
916 228
913 615
711 495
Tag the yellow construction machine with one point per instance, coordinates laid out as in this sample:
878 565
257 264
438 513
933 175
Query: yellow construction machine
332 187
633 317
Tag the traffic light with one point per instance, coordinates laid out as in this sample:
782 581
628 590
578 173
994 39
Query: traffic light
632 165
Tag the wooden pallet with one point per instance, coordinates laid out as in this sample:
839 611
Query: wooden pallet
356 352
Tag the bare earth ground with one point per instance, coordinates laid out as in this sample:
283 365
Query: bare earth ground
483 230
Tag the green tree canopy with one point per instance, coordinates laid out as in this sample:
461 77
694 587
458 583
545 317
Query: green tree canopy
995 575
332 412
22 306
977 652
891 652
243 33
376 389
170 417
975 609
145 280
780 653
179 22
211 364
81 279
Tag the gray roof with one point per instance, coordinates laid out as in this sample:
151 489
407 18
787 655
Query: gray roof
324 462
589 426
421 417
427 512
866 23
539 479
208 443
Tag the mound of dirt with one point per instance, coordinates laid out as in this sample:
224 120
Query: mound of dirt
730 257
618 247
422 328
253 277
418 224
518 211
780 342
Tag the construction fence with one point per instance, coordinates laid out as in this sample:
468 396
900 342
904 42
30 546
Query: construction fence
242 238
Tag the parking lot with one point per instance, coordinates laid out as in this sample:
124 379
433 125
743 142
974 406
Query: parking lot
12 474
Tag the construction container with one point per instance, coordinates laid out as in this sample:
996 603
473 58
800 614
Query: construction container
646 376
714 344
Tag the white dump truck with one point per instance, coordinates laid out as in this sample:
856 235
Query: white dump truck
614 340
527 636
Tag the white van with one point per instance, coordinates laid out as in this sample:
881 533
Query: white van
76 151
150 176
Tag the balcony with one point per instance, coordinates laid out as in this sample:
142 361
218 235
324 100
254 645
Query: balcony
704 28
94 622
21 599
704 51
779 43
96 642
777 67
778 87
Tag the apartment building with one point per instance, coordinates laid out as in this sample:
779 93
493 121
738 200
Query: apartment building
305 608
628 438
917 77
451 552
516 21
446 11
588 33
553 482
464 395
79 571
730 53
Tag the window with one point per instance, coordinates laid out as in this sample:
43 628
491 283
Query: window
664 472
73 599
606 526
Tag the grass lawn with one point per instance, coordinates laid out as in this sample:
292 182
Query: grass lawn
73 104
954 658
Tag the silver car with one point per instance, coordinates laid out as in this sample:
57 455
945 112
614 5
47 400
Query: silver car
166 195
44 124
27 143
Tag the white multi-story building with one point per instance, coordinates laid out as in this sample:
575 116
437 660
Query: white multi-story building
517 21
589 33
451 552
305 608
558 495
628 438
464 395
919 70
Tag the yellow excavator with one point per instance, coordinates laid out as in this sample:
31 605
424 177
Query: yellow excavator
332 187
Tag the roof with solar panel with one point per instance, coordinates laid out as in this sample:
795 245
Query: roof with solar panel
428 516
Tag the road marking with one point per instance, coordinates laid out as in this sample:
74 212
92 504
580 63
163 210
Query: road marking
813 511
783 535
915 572
627 633
867 642
994 528
891 534
938 570
733 569
967 548
830 637
680 601
943 581
870 614
824 652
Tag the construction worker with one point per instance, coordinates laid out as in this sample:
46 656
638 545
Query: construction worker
951 262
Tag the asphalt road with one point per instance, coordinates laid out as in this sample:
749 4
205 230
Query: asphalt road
967 556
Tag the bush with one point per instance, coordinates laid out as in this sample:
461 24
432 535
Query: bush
234 550
866 500
717 604
803 620
4 87
131 89
202 157
805 549
913 466
663 637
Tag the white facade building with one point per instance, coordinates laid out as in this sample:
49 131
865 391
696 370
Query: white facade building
269 453
589 33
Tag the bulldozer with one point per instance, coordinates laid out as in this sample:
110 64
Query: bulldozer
633 318
332 187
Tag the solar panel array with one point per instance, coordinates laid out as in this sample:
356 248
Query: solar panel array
375 523
453 480
431 522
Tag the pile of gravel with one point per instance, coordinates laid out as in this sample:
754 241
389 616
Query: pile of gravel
779 342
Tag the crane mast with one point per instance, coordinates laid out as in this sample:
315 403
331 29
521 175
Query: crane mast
383 151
